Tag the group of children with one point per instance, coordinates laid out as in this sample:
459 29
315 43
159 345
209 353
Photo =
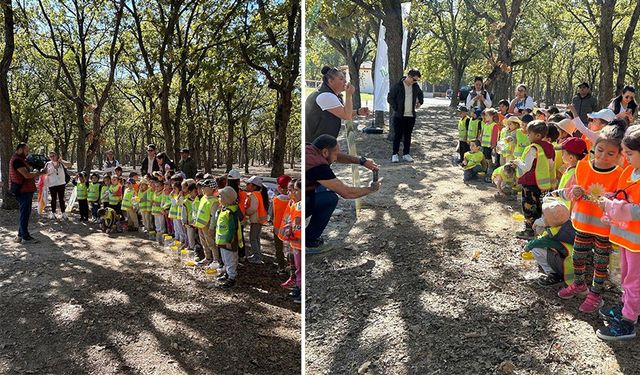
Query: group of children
205 215
580 197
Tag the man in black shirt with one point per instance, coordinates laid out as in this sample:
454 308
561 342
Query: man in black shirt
323 187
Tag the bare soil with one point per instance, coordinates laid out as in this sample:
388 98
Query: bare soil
400 293
83 302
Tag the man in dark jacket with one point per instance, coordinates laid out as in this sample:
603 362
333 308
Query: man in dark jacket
187 165
151 155
405 97
584 102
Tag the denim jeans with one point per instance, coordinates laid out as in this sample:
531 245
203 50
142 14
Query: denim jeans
320 209
25 201
470 174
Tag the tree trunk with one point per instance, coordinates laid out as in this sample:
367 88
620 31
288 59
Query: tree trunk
165 117
354 74
393 37
606 52
283 113
81 145
457 77
6 121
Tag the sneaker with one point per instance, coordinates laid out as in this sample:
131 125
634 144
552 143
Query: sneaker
223 277
312 250
29 239
64 216
295 292
289 283
18 239
254 260
394 158
611 313
572 290
527 234
297 299
617 330
203 262
52 216
408 158
550 280
228 284
592 303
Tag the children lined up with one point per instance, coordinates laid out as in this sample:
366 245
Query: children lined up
580 188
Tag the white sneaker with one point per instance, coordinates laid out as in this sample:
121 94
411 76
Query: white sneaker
408 158
52 216
394 158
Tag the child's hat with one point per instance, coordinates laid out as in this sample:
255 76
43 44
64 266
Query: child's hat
131 181
567 125
228 195
210 183
233 175
527 118
606 115
255 180
283 181
512 118
574 145
462 108
478 112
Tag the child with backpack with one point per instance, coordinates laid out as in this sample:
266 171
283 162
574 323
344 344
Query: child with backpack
228 236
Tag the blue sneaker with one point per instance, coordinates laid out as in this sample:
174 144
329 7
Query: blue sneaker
611 313
617 330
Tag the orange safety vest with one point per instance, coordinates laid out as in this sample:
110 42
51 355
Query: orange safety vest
263 215
629 236
586 214
292 220
279 207
242 202
285 219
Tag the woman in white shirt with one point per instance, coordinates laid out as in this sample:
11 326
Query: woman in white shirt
521 101
110 163
56 183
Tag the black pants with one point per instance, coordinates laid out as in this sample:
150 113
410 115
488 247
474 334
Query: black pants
95 206
83 205
403 127
57 193
462 148
531 204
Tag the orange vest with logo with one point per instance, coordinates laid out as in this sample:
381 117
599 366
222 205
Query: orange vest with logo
629 236
296 226
586 214
279 207
285 219
263 215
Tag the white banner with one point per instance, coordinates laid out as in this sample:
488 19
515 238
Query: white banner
381 74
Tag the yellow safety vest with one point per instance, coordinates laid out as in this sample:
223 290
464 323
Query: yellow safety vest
156 205
127 199
93 193
543 176
472 132
228 226
204 212
81 191
522 141
113 198
487 130
462 128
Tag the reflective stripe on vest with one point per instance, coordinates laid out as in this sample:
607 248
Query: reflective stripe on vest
586 214
296 226
127 199
627 235
522 141
263 215
194 211
487 131
104 194
472 132
543 177
82 191
93 194
204 212
144 204
285 220
564 180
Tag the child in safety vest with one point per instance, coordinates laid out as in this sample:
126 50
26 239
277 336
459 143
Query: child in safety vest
109 220
507 140
504 179
144 199
593 179
489 139
130 212
82 188
279 206
190 192
472 161
93 196
257 215
597 121
473 131
115 194
166 205
156 209
622 211
228 236
292 232
556 167
104 190
522 138
208 203
463 130
533 172
291 282
175 212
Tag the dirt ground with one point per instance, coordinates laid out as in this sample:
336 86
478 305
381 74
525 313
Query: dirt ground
83 302
400 293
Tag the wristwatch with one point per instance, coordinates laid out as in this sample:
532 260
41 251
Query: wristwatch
362 160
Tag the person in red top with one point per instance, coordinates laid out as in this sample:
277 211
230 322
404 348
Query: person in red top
22 185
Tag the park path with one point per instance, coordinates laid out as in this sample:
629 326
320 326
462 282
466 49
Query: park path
83 302
400 294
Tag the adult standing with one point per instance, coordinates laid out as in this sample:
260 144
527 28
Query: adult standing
478 97
165 163
405 97
325 110
23 185
149 163
186 164
320 203
56 182
624 105
584 102
110 163
522 103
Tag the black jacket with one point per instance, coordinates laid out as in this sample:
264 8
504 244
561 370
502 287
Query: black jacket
396 98
145 165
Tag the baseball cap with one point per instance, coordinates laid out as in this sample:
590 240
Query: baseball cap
462 108
283 181
603 114
255 180
210 183
567 125
233 175
574 145
584 84
184 151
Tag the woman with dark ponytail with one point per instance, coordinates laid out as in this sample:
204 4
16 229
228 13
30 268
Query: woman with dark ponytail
325 109
624 105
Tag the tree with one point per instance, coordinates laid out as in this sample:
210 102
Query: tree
6 122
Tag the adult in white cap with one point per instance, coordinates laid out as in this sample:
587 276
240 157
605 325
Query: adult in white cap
597 121
257 209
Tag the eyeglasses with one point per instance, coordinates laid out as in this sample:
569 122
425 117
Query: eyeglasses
628 97
150 150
